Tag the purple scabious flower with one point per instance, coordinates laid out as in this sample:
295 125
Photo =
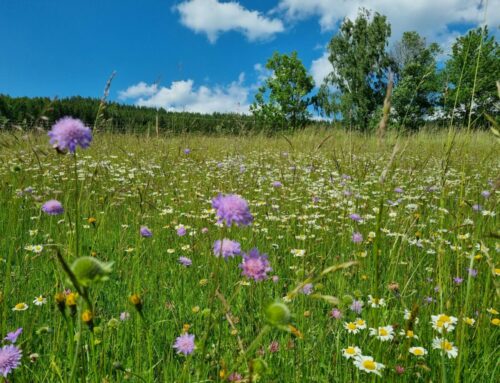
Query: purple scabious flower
307 289
477 207
357 306
184 344
336 314
458 280
68 133
357 237
10 359
145 232
255 265
398 190
53 207
181 231
12 336
187 151
185 261
226 248
472 272
355 217
277 184
486 193
232 209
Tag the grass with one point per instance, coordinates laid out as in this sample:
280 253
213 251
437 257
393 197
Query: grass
410 254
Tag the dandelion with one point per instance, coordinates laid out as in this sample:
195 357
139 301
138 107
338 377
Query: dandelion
40 300
376 302
495 322
53 207
447 347
145 232
232 209
383 333
443 321
226 248
185 261
255 265
367 364
68 133
20 307
184 344
418 351
351 352
10 359
12 336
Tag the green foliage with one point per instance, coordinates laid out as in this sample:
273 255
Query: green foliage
287 89
418 85
358 54
471 72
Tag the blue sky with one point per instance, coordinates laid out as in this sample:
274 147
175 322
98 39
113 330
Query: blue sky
207 55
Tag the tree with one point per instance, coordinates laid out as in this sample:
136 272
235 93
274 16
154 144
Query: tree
360 61
286 90
417 81
471 72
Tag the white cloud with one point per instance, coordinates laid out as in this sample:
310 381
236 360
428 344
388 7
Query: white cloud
138 90
320 68
213 18
431 18
183 95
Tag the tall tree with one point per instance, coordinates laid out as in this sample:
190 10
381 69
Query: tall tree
417 90
471 72
287 92
360 61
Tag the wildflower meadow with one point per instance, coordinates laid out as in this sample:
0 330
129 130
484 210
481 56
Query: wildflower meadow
317 257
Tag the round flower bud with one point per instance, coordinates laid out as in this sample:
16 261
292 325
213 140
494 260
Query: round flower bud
277 314
88 270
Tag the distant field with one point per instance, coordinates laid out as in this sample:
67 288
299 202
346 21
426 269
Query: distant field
411 221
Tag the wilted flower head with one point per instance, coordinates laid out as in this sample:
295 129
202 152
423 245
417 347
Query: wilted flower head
232 209
88 270
10 358
226 248
53 207
255 265
68 133
145 232
184 344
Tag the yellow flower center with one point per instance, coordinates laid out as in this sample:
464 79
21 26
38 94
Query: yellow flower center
20 306
360 322
445 345
418 351
351 326
410 334
350 350
444 318
383 332
369 365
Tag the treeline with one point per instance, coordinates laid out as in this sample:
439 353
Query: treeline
462 91
42 112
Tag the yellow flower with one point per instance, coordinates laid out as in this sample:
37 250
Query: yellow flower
186 327
495 321
20 307
491 310
469 321
71 299
87 316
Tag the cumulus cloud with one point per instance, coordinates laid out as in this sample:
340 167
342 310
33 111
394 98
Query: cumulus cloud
432 19
212 18
320 68
138 90
184 95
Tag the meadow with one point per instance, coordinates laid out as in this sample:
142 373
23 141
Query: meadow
382 258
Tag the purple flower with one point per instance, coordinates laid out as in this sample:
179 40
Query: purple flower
255 265
398 190
227 249
277 184
356 306
145 232
12 336
184 344
477 207
10 358
357 237
124 316
68 133
428 299
181 231
185 261
274 346
486 193
355 217
53 207
232 209
472 272
234 377
336 313
307 289
187 151
458 280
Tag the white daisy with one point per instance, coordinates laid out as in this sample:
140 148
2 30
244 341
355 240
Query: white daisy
351 352
445 346
367 364
383 333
